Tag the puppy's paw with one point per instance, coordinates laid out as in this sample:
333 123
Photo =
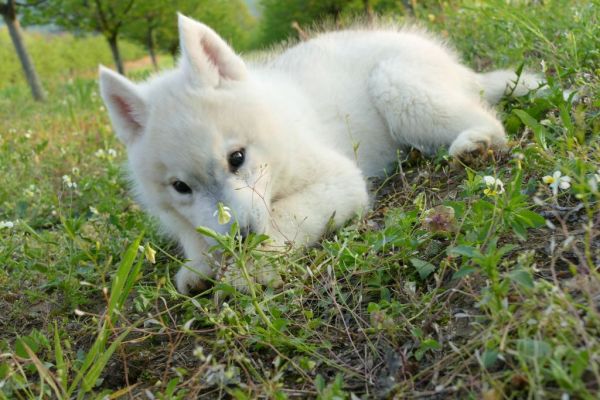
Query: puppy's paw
474 143
258 273
191 279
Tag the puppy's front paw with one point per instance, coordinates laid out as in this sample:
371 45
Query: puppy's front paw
191 278
261 273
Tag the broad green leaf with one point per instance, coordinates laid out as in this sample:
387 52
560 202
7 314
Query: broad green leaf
424 268
464 271
489 358
425 346
531 218
532 348
538 129
521 277
4 370
207 232
463 250
22 343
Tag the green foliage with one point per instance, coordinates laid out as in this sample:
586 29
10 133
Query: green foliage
279 16
230 18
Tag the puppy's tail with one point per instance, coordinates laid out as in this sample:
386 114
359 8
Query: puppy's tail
496 84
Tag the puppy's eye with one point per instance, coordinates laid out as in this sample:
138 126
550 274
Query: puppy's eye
236 159
182 187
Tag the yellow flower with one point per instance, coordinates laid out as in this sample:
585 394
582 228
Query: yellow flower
223 214
548 179
150 254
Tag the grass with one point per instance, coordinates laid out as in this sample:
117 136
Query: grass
58 56
450 288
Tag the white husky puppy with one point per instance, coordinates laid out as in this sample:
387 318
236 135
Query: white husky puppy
287 144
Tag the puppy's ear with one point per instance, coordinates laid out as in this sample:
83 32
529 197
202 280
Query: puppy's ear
207 55
125 105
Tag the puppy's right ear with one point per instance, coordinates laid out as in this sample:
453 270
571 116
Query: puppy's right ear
126 107
208 57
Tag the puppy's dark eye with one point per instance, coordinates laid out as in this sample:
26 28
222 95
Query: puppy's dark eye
236 159
182 187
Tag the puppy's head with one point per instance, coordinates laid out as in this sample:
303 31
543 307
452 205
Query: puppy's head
196 136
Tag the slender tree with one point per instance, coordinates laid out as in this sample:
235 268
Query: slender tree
107 17
8 9
147 18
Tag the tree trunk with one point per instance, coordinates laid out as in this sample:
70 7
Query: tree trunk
173 50
14 28
116 54
409 7
368 7
151 47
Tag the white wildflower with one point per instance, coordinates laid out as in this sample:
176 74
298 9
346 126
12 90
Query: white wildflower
557 181
68 182
493 186
489 180
594 181
106 154
6 225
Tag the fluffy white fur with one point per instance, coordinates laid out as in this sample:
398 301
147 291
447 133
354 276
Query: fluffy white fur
313 122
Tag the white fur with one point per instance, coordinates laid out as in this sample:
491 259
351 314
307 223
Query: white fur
313 121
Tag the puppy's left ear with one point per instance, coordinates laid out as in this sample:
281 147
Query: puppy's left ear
207 55
126 107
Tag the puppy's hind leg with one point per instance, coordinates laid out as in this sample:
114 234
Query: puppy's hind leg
478 139
426 109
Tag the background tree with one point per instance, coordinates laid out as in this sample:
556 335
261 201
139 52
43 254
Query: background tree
107 17
282 18
155 24
279 15
148 16
8 9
